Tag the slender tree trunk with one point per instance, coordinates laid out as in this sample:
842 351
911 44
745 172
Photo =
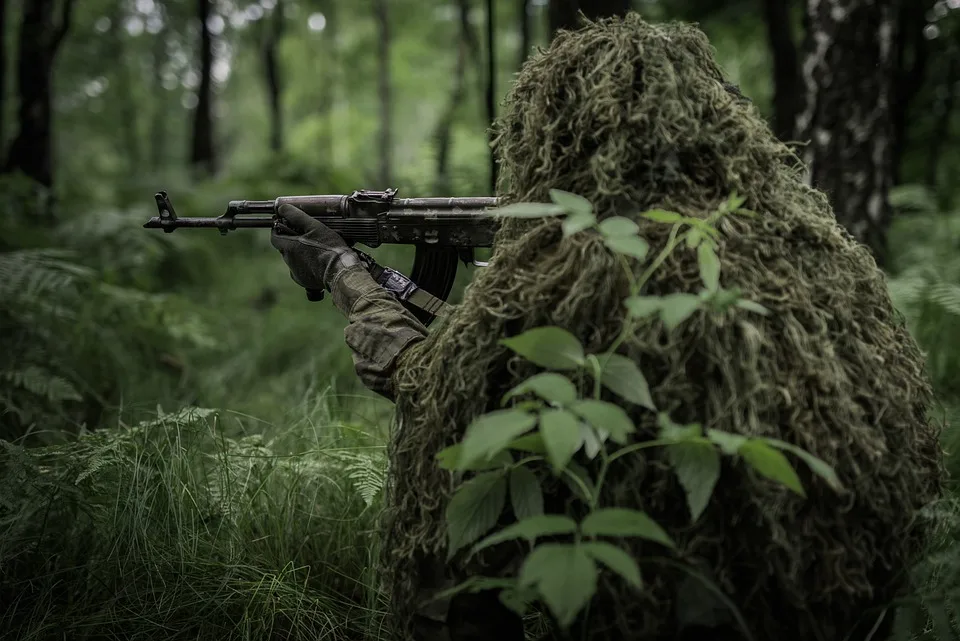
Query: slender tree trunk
3 78
492 87
41 35
203 153
944 117
524 31
124 92
158 123
563 14
848 78
786 68
910 77
445 126
383 76
273 31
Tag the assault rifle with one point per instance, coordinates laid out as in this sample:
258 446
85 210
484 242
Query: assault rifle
444 231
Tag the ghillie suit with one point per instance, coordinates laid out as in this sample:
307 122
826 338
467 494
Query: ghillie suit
635 116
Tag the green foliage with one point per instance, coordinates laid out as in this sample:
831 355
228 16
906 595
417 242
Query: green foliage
552 419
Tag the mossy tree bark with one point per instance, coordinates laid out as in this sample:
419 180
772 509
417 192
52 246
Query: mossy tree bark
203 152
563 14
848 75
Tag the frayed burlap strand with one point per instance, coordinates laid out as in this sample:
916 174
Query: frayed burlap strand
634 116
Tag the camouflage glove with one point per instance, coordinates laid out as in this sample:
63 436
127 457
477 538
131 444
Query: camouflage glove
316 255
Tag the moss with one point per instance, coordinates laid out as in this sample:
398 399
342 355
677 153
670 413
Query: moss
634 116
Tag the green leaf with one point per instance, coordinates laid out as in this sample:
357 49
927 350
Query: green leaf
628 245
816 465
491 433
697 466
607 417
528 210
554 388
615 521
663 216
618 226
751 306
576 223
679 433
530 529
526 495
578 471
728 443
475 508
643 306
532 442
564 575
772 464
561 434
694 238
517 601
709 266
676 308
592 440
449 459
615 559
622 377
550 347
571 203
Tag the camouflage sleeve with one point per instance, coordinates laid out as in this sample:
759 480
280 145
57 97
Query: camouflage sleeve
379 328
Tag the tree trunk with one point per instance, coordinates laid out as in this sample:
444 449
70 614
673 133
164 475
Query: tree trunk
3 78
492 87
158 123
40 37
203 154
329 65
129 138
524 31
445 126
563 14
910 77
385 147
786 68
944 116
273 31
848 78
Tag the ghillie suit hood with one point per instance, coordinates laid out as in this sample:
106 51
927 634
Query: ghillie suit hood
635 116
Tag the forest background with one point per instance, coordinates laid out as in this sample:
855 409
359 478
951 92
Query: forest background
186 452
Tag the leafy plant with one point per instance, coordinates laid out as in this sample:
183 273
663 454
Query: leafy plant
546 419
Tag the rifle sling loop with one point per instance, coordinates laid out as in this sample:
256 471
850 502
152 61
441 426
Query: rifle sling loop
404 288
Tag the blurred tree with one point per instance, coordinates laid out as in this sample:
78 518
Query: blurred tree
786 67
492 87
159 58
3 76
912 55
524 31
848 79
384 93
943 112
125 97
563 14
203 153
444 132
272 32
41 34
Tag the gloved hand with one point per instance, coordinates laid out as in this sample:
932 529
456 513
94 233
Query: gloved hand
315 254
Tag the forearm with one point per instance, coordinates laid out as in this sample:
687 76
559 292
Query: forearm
379 328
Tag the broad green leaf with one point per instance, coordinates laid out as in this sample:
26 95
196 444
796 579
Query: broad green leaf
663 216
697 466
622 377
709 266
528 210
550 347
607 417
694 238
751 306
816 465
491 433
721 299
676 308
576 223
475 508
526 495
561 434
728 443
618 226
592 441
564 575
676 432
628 245
530 529
615 521
449 459
571 203
555 388
642 306
772 464
517 601
615 559
532 442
